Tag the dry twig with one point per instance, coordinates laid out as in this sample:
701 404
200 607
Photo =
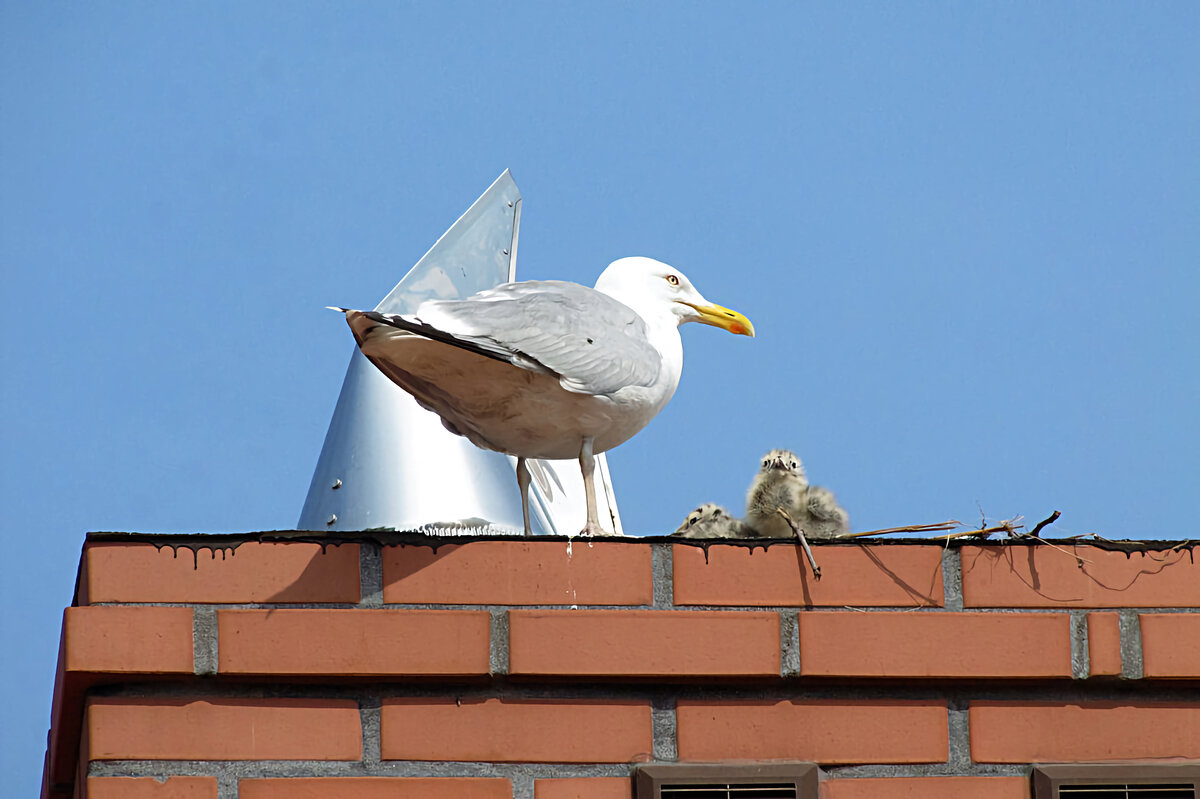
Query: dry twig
914 528
984 533
1009 526
1048 520
812 562
1079 559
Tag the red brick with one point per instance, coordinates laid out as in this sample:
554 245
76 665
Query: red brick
1050 576
579 572
351 642
830 731
81 769
651 643
66 710
1046 732
935 644
1170 644
584 788
1104 644
138 640
133 728
108 640
515 730
50 789
856 575
376 788
151 788
927 788
254 572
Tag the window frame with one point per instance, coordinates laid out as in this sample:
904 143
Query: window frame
649 779
1048 778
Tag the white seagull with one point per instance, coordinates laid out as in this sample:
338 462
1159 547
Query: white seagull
547 369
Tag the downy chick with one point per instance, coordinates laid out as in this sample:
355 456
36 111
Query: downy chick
712 521
780 483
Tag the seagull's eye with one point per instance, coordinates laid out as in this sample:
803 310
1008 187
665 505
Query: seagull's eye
673 280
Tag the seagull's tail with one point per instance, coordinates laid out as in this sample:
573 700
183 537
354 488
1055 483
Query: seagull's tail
335 308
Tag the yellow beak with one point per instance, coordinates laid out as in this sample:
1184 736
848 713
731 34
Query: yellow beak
725 318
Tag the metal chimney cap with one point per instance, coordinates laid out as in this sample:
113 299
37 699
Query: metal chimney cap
388 463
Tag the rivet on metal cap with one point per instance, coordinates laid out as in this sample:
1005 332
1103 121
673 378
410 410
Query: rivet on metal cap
332 519
336 485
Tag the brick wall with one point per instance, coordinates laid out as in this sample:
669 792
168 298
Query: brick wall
268 666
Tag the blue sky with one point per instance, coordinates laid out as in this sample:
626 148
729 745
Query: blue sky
966 233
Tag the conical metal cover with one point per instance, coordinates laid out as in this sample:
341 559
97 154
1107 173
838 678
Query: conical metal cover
389 463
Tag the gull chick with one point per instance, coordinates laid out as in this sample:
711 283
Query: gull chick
712 521
780 483
546 368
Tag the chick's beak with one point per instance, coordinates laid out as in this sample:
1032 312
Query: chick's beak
725 318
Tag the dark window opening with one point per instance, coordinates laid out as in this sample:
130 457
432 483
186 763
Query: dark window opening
732 791
1149 791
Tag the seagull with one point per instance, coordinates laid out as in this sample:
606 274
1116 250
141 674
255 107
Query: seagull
712 521
547 369
780 483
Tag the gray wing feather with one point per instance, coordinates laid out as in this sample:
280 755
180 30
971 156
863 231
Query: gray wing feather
593 343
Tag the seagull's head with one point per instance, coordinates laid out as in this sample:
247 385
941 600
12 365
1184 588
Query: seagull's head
651 287
784 461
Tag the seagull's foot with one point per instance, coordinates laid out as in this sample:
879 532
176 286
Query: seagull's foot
594 529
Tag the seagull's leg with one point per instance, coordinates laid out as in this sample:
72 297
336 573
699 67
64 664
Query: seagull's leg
523 482
587 465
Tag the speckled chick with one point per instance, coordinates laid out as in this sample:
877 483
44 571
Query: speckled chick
780 483
712 521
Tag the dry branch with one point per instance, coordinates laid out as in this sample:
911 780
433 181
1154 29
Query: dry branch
1048 520
812 562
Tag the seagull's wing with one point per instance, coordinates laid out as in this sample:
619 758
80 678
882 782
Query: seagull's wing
591 342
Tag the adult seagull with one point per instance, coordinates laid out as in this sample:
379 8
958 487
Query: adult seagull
547 368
